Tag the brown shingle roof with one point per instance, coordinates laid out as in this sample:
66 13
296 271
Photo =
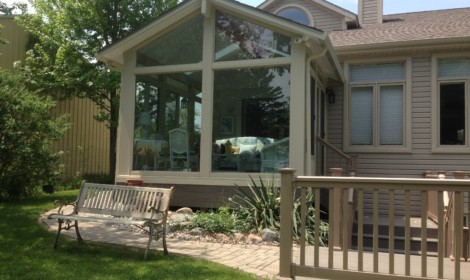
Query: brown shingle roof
441 24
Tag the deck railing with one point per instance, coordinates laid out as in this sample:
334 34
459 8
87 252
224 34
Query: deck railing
319 262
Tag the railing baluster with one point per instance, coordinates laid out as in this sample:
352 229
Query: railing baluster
424 233
440 234
345 227
391 231
407 232
360 230
458 229
376 231
303 219
316 260
332 229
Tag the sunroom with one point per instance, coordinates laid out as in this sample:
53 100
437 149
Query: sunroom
215 90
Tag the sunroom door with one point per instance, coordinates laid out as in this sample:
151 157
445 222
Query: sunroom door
317 127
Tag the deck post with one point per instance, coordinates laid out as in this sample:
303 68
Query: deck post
287 206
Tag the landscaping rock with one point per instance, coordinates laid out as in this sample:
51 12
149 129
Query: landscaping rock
178 218
222 237
269 235
196 231
185 210
239 237
253 238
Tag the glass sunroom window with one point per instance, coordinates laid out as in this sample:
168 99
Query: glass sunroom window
237 39
251 120
167 124
182 45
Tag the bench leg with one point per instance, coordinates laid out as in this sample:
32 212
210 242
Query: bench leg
79 237
165 250
56 241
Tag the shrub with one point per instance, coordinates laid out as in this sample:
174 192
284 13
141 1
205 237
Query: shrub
27 132
214 221
259 208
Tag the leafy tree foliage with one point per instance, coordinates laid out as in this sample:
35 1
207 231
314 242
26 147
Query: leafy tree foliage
27 131
14 7
67 35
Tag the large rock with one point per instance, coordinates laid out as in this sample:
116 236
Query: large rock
269 235
185 210
253 238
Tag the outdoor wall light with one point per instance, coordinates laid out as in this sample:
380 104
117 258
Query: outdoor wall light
331 96
184 103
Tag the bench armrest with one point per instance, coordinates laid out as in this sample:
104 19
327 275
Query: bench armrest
63 204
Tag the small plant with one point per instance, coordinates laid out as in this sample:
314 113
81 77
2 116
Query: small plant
214 221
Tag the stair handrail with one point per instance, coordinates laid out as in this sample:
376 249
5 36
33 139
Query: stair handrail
352 160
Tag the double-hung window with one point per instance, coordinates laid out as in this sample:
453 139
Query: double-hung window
377 106
453 77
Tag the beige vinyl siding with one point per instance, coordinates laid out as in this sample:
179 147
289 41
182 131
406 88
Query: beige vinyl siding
323 18
86 144
16 48
408 165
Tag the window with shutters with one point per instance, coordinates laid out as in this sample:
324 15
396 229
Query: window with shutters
377 107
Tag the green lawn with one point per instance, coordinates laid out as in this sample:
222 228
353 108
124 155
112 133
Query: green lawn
26 252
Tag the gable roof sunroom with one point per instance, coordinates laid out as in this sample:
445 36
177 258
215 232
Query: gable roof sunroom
318 43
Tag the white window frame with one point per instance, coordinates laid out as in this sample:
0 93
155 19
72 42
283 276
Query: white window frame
296 63
435 97
375 147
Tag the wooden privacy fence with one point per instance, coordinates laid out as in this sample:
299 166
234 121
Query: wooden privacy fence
340 263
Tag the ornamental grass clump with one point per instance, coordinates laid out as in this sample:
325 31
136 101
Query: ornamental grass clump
258 207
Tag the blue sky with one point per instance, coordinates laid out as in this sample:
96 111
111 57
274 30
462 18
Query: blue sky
394 6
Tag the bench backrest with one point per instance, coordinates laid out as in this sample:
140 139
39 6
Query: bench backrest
125 201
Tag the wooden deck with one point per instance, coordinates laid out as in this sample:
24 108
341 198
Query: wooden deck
383 264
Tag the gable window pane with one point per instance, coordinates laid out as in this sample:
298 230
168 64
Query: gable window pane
452 114
295 14
182 45
391 115
237 39
361 115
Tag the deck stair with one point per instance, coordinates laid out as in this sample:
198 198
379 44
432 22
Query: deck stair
399 232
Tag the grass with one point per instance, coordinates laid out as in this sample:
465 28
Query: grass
26 252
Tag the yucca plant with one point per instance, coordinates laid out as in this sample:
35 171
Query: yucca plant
258 207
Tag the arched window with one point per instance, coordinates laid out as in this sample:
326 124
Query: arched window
295 14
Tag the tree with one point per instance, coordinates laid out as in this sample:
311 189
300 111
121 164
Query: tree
27 132
67 35
10 9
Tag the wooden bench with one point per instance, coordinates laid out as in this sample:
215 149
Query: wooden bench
143 207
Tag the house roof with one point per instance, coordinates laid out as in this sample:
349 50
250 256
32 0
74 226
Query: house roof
349 16
407 29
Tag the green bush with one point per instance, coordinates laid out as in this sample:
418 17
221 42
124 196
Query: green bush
214 221
258 207
27 132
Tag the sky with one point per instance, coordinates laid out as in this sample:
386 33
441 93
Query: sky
390 6
394 6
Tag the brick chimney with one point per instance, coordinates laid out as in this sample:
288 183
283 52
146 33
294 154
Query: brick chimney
370 11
